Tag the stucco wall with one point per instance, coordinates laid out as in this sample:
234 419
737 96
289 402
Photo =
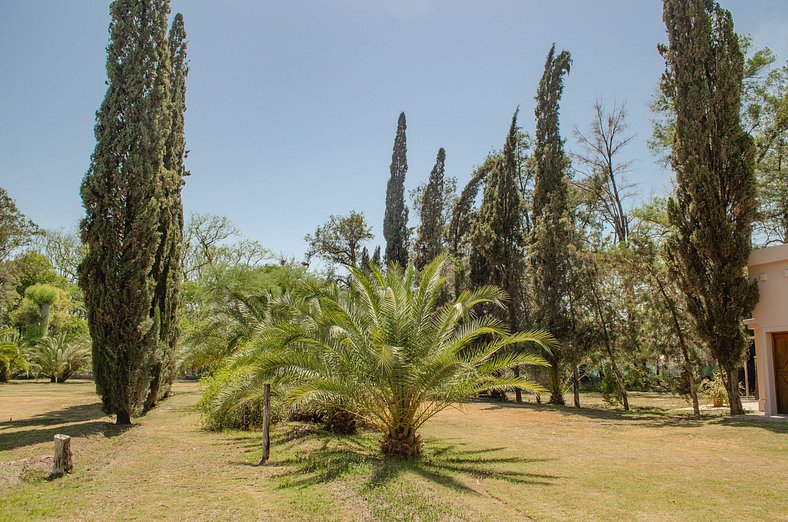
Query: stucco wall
769 266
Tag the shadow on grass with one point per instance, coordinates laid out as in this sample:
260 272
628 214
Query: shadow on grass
652 417
76 413
17 439
329 458
776 426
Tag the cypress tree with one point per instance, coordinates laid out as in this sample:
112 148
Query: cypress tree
395 220
376 257
432 229
167 264
498 230
552 223
498 237
714 205
122 193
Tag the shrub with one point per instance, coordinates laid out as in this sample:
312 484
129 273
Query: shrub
227 402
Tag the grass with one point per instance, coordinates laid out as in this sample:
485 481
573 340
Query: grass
486 461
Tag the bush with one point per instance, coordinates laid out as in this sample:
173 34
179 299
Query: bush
230 402
609 388
59 357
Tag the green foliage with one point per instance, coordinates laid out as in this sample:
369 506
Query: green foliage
59 357
387 352
228 403
167 264
551 234
714 206
432 215
16 230
12 358
395 219
339 241
714 389
126 197
222 308
498 237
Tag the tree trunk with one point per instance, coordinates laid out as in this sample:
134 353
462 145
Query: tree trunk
155 385
619 379
683 344
123 419
401 441
732 386
340 421
575 385
266 424
62 457
5 373
518 393
44 309
556 388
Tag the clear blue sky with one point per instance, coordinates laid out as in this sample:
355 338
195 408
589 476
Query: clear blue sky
292 106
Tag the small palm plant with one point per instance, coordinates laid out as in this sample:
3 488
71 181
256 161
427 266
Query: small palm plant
390 353
59 357
11 355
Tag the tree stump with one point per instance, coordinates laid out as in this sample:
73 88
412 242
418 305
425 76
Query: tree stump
62 458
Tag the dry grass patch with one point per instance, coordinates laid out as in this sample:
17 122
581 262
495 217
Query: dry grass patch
485 461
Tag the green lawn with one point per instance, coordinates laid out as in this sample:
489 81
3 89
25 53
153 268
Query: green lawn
485 461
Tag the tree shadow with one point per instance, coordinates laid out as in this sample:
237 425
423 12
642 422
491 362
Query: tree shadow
652 417
442 463
80 420
752 421
17 439
76 413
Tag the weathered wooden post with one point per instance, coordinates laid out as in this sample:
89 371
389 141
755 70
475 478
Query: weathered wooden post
62 458
266 424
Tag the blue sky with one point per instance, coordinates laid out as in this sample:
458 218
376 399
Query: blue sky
292 106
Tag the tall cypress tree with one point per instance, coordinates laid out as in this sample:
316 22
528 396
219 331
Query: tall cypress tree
498 230
552 223
432 228
714 206
395 220
167 265
498 237
123 193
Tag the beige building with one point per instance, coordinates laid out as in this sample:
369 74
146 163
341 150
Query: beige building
769 323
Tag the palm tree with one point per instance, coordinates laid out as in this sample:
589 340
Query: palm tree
11 354
59 357
388 352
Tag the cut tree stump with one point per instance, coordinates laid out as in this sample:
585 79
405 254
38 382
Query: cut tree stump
62 458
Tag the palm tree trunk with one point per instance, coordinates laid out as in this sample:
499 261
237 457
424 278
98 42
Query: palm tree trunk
401 441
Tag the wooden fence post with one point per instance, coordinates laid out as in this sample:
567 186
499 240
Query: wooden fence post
62 458
266 424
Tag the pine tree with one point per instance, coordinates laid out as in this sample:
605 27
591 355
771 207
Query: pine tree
395 220
552 224
167 265
122 193
714 206
432 229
